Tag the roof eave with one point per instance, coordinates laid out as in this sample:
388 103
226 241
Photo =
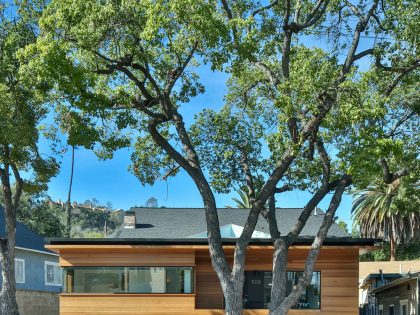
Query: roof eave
362 242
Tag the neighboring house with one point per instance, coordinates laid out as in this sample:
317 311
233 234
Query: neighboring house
369 278
38 275
399 297
158 263
371 282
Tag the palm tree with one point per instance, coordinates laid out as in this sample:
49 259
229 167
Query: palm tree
386 211
243 201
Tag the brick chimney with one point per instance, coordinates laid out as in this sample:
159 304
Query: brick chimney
129 220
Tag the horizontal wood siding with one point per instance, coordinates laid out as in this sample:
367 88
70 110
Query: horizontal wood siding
339 279
126 305
126 258
338 267
368 267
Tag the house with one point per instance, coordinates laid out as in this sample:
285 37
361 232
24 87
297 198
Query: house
158 263
38 275
374 274
371 282
399 297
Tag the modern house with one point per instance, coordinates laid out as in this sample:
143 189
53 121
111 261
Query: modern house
158 263
38 274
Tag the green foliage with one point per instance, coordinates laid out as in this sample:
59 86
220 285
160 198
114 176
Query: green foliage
343 225
388 212
225 141
152 202
23 104
409 251
39 215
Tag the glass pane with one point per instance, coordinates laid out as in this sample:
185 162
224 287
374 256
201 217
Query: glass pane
98 280
146 280
311 299
129 280
178 280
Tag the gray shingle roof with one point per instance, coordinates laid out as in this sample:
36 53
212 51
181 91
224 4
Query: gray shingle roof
25 237
173 223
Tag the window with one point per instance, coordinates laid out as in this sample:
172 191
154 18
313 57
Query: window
257 290
404 307
20 270
52 273
381 310
391 309
129 280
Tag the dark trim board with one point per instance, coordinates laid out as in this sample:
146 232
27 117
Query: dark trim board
195 241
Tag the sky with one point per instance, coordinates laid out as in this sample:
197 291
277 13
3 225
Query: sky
110 180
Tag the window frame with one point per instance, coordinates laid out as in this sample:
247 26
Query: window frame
54 264
389 308
20 260
404 302
298 271
125 270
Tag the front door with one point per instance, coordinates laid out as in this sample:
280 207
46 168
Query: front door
254 290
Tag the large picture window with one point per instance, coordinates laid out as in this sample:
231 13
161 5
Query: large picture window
257 290
129 280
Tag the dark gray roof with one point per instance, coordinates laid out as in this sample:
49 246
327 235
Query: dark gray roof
404 279
176 223
25 237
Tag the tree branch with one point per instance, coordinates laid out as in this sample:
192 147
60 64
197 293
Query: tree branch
404 72
305 279
389 177
248 178
19 186
360 27
400 122
363 54
274 80
264 8
175 75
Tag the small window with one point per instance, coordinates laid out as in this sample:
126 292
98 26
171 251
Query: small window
391 309
404 307
52 273
20 270
381 310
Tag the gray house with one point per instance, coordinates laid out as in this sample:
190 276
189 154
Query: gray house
38 275
399 297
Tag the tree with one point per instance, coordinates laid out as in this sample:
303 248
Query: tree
132 65
383 211
151 203
40 216
343 225
22 109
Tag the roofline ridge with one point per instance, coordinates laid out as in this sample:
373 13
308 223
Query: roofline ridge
202 208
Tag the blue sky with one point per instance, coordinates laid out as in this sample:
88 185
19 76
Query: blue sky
111 181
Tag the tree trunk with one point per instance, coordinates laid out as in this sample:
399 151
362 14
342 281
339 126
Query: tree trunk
233 294
279 280
68 203
393 248
8 291
7 246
